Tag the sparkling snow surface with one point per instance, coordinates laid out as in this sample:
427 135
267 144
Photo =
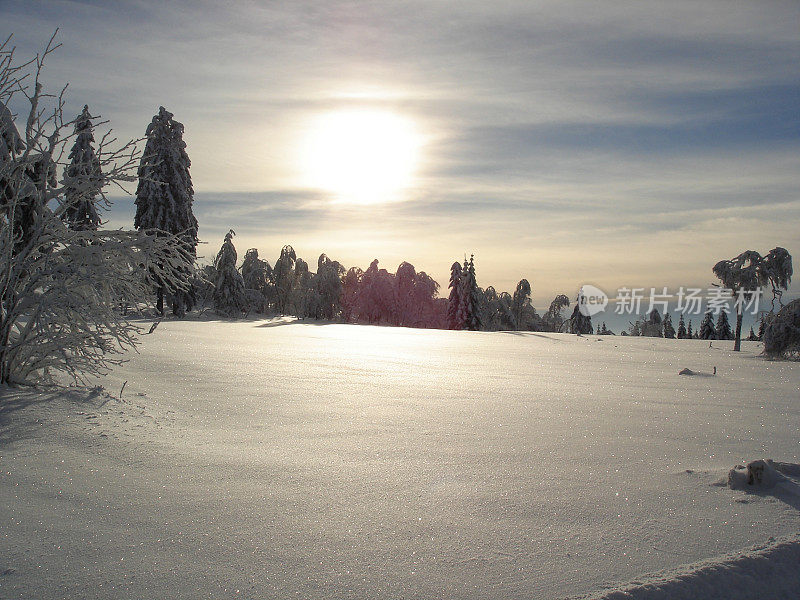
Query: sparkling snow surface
270 460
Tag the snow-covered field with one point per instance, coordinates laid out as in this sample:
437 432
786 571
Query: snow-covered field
263 459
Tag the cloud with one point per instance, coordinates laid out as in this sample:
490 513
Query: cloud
615 142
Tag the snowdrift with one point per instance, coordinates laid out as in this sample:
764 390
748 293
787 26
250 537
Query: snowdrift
768 571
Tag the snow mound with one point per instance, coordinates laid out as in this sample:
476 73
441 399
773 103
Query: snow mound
762 474
768 571
688 371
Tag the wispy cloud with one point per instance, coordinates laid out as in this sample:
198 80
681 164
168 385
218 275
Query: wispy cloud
618 143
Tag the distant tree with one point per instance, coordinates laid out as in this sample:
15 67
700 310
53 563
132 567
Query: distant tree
83 178
652 326
707 330
376 301
669 330
302 297
285 279
553 318
229 291
761 325
682 333
746 273
351 283
164 195
752 337
254 274
328 288
454 318
689 332
520 300
580 323
469 297
723 326
782 333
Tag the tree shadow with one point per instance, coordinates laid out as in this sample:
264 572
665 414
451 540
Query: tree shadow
531 334
283 321
19 418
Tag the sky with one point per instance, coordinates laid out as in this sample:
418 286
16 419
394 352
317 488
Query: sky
620 144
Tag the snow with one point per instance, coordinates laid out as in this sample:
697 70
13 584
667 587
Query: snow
768 571
278 459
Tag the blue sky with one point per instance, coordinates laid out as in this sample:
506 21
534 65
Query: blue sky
612 143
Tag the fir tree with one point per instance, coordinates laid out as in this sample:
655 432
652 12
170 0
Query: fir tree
689 332
164 195
707 330
752 337
229 295
682 333
580 323
255 273
761 326
83 178
520 301
469 297
723 327
454 301
285 279
669 330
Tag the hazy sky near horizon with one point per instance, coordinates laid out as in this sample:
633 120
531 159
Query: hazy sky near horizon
612 143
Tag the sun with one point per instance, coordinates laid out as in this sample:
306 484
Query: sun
361 156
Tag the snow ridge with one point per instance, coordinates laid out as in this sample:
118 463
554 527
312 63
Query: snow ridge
771 570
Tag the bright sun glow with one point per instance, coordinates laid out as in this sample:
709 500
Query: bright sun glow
361 156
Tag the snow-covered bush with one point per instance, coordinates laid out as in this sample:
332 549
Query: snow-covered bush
782 333
61 290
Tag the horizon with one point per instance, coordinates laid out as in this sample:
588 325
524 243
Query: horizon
617 146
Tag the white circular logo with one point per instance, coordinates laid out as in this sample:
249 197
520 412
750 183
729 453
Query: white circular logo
591 300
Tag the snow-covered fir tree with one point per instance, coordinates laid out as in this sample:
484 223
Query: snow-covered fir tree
165 195
229 291
285 279
682 333
669 330
723 327
520 301
553 319
327 284
454 301
707 330
689 332
83 178
468 312
255 273
580 323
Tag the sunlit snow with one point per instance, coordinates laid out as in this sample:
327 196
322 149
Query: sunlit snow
270 459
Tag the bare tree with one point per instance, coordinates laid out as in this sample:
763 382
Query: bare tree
61 289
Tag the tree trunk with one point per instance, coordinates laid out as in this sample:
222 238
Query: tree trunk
737 345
